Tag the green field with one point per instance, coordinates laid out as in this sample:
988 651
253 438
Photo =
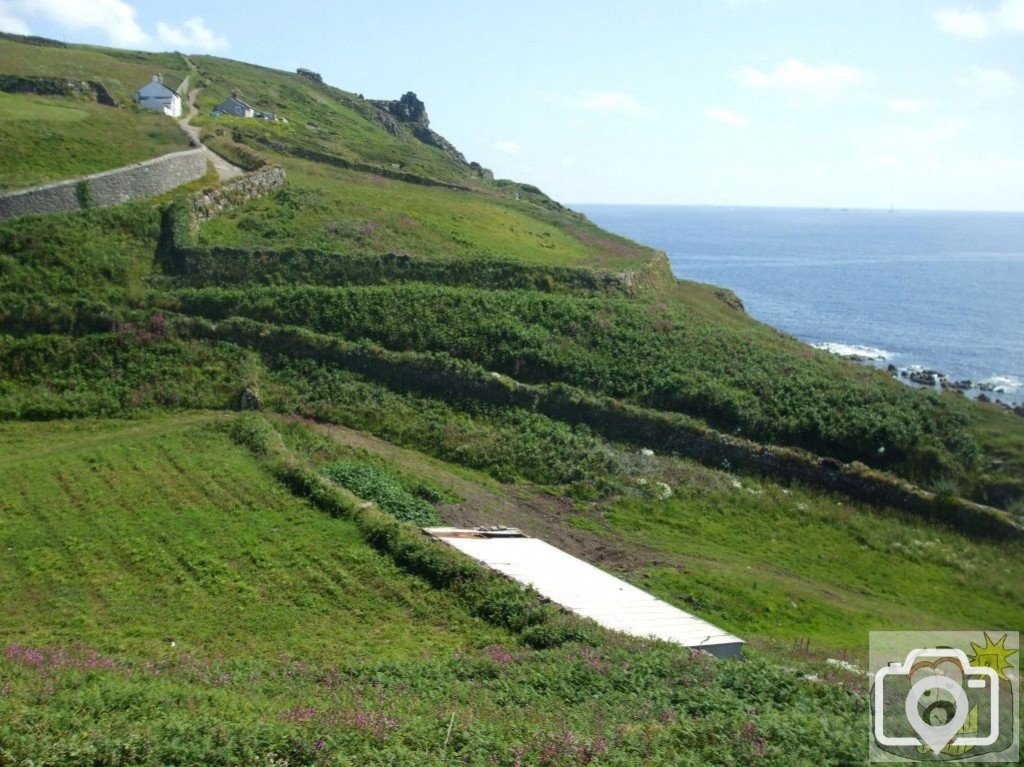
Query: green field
346 212
753 556
167 601
61 137
50 138
128 537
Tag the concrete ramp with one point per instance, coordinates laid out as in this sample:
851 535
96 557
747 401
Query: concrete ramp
584 589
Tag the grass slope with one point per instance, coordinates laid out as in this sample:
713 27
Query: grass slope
168 602
758 558
121 72
49 138
347 212
128 536
58 138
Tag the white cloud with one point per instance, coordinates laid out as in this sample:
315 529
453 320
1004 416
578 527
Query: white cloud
991 84
508 147
972 24
604 101
115 19
726 116
193 35
796 75
905 106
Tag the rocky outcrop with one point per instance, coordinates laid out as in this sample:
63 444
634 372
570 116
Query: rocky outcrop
408 109
484 173
409 113
56 86
922 377
730 299
314 76
42 42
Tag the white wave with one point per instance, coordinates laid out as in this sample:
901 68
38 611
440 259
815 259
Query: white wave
1009 383
853 350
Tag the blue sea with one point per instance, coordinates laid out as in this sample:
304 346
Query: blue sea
934 290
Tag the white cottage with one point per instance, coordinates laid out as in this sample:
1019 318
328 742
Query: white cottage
158 97
236 107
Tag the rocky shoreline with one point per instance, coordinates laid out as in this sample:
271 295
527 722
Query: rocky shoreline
926 378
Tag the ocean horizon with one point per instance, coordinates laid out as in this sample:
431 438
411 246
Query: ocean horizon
916 289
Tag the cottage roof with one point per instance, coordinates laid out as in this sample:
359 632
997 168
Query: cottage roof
155 88
239 102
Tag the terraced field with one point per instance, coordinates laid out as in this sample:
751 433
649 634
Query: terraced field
128 537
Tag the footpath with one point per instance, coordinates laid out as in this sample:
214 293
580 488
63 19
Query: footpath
225 170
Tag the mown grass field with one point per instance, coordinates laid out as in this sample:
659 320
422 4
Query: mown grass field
127 537
346 212
49 138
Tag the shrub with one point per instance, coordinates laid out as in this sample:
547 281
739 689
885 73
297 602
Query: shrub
546 636
255 434
384 489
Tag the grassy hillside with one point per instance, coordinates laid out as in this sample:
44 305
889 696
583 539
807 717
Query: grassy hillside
53 137
350 213
733 550
59 137
168 601
428 343
129 537
121 72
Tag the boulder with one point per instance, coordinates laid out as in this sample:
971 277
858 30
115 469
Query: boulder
925 377
249 399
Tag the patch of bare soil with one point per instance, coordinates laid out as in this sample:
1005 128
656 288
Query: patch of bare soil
536 513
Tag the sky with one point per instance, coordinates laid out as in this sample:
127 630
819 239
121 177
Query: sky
912 104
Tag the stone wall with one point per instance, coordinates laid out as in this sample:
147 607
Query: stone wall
213 202
112 187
